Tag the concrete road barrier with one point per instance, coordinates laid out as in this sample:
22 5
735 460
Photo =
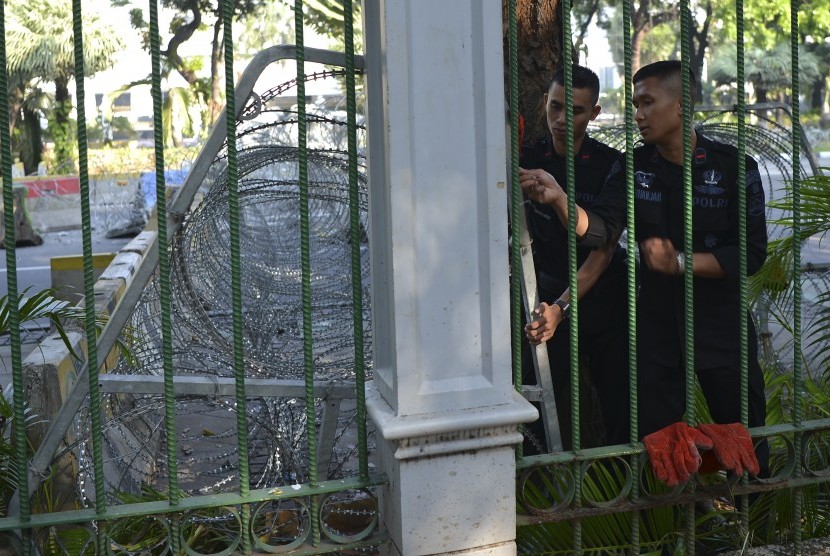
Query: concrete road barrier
50 371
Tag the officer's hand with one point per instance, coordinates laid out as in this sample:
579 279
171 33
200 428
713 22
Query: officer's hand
540 186
660 255
542 327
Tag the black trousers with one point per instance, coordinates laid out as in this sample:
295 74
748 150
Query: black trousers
603 348
662 397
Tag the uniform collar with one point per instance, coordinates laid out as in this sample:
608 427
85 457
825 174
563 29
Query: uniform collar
699 155
702 148
586 150
585 154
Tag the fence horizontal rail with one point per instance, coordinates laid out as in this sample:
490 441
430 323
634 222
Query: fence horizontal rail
220 386
283 492
591 454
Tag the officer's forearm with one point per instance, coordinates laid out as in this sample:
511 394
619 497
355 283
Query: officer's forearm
590 271
706 265
561 208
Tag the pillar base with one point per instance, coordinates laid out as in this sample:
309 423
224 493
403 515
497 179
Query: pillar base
436 501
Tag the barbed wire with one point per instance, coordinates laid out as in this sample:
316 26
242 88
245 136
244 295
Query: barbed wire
272 313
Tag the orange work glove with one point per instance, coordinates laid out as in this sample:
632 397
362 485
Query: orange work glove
732 449
673 452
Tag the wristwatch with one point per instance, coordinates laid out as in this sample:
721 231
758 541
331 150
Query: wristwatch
564 306
681 262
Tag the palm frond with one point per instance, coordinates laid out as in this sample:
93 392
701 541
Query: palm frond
44 304
819 335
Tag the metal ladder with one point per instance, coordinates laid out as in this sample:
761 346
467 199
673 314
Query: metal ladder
542 391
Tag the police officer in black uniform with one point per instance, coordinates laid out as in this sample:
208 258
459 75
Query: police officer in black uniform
658 191
602 334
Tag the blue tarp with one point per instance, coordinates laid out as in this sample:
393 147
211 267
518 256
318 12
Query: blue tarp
172 178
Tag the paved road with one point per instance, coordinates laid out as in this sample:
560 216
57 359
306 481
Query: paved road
33 262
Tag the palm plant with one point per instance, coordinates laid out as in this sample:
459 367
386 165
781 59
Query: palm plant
605 534
36 306
775 279
177 115
39 44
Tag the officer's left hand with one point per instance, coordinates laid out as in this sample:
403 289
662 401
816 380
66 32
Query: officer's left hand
660 255
544 323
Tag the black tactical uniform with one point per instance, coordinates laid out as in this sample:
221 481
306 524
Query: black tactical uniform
603 341
658 191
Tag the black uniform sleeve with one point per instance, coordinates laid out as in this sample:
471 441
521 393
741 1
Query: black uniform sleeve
728 253
606 219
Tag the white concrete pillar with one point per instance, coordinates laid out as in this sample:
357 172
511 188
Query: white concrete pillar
442 399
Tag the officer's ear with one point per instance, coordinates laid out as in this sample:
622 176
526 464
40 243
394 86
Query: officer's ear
595 111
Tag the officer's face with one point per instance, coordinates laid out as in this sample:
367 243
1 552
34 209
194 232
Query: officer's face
584 111
658 112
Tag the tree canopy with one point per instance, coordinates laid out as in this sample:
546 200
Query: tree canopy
39 40
40 48
191 16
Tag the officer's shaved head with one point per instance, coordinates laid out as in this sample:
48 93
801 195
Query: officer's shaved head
667 72
582 78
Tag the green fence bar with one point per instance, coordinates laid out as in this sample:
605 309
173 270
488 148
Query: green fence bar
743 306
632 247
89 294
688 277
798 379
227 8
567 56
305 257
164 259
171 437
354 234
12 299
516 336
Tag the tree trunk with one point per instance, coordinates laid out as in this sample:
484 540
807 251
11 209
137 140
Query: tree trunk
701 36
15 115
637 47
760 95
182 34
640 26
61 127
539 32
593 8
216 58
15 107
816 94
31 148
825 106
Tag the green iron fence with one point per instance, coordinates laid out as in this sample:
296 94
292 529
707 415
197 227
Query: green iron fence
293 516
297 499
